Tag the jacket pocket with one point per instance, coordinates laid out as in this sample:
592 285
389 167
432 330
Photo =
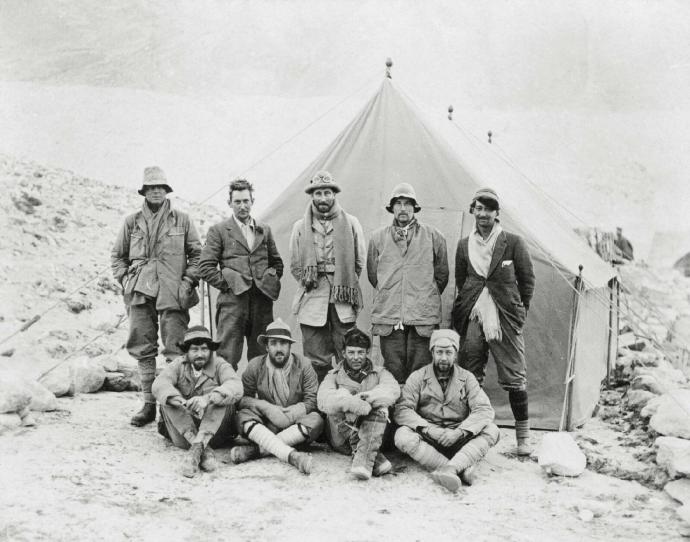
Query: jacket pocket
174 241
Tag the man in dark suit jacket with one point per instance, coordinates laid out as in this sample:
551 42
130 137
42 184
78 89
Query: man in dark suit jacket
495 281
241 260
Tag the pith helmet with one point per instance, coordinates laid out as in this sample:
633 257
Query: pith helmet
403 190
154 176
322 179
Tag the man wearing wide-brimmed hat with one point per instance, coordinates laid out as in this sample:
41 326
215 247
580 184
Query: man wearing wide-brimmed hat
445 418
495 282
155 259
198 392
327 255
278 410
407 264
241 260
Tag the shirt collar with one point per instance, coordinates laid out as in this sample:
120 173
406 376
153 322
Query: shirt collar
251 224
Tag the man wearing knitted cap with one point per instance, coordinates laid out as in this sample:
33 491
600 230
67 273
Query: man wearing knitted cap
197 393
407 264
445 418
155 259
327 252
495 281
278 410
356 397
241 260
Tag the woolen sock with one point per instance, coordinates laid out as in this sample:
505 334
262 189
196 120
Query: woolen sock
294 435
519 404
426 455
470 453
522 430
147 374
269 442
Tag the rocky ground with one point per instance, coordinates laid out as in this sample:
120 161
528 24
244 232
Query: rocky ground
82 472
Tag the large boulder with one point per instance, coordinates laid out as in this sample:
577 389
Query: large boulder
14 395
59 380
638 399
679 490
116 382
88 376
42 399
107 361
560 455
673 454
672 416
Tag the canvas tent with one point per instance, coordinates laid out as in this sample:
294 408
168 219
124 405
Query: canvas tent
388 143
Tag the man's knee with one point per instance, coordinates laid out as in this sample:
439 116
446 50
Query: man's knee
491 433
311 425
406 439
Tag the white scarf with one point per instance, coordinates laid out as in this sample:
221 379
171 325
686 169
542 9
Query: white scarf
278 381
485 311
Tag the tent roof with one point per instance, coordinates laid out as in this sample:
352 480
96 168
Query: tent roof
389 142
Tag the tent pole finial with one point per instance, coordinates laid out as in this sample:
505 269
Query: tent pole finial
450 112
490 134
389 65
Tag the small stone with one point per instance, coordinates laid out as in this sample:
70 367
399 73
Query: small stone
77 306
672 415
585 515
7 353
650 383
638 399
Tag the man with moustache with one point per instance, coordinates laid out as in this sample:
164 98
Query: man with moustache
155 258
407 264
356 397
241 260
495 282
327 254
278 410
197 393
445 417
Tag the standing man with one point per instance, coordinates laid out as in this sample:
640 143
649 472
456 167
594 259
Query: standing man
407 264
197 393
155 259
278 410
495 281
355 398
327 254
624 245
445 418
241 260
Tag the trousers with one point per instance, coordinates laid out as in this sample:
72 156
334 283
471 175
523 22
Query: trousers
215 428
404 351
321 344
142 341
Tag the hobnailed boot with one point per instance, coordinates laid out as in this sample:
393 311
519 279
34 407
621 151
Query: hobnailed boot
468 476
360 473
208 460
381 465
301 461
243 452
190 464
447 477
146 415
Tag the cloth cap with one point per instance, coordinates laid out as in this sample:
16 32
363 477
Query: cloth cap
196 333
443 338
154 176
276 330
403 190
489 193
322 179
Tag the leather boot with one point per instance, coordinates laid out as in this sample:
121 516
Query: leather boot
381 465
208 460
468 476
190 464
146 415
243 452
300 460
447 477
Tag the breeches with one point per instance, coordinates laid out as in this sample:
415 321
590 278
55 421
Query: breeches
216 424
142 341
404 351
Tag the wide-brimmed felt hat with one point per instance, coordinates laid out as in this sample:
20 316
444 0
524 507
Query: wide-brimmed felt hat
197 333
276 330
403 190
154 176
322 179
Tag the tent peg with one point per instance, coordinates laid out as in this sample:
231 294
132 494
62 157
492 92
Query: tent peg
389 65
450 112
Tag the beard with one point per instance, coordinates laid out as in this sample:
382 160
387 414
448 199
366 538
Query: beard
279 360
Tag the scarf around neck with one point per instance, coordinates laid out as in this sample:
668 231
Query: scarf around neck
278 381
360 374
485 310
404 233
345 288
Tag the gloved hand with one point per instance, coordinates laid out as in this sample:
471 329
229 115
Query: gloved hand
359 406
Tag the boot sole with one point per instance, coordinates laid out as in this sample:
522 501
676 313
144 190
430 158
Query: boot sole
449 481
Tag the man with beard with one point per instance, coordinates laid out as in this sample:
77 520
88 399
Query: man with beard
356 397
241 260
155 259
327 253
445 417
407 264
197 393
495 281
278 410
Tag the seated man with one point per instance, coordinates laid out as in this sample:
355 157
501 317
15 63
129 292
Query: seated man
356 397
278 410
197 393
445 416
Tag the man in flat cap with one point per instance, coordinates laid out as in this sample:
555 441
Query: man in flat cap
445 418
241 260
407 264
327 253
278 410
356 397
495 281
197 393
155 259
